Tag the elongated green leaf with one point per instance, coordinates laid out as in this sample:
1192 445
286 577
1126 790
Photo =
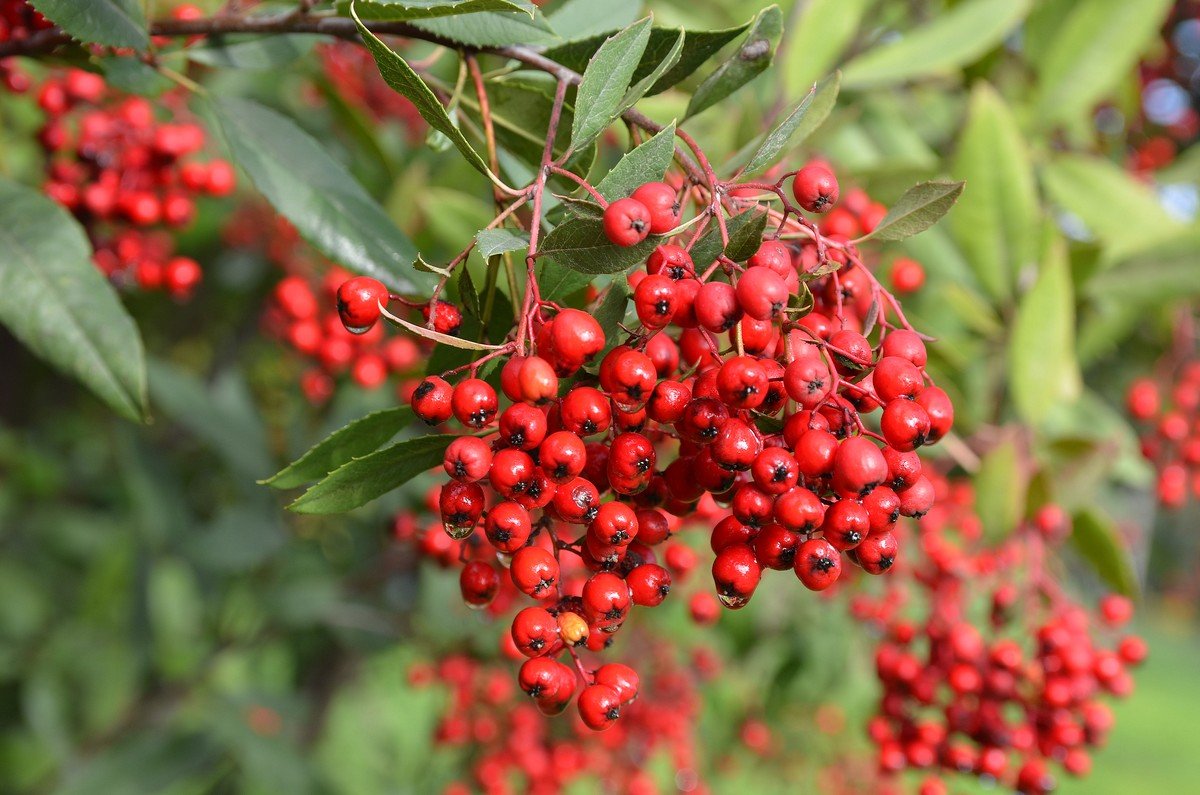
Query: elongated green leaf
408 10
698 47
116 23
1097 539
55 301
995 223
1043 371
815 36
644 163
710 246
490 242
605 82
1092 51
799 124
315 192
357 439
918 209
1163 274
1123 213
400 76
134 76
580 244
611 313
952 40
557 282
578 19
746 236
1000 490
361 480
492 29
639 89
750 60
253 52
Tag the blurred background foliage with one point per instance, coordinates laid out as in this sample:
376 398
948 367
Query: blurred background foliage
166 627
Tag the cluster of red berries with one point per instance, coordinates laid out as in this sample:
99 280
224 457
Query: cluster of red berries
122 171
1008 703
1172 438
17 21
514 748
727 392
352 74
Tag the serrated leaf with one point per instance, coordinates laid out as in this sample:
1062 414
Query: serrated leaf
1000 490
605 81
400 76
357 439
1097 539
919 208
1093 49
557 282
799 124
490 242
746 237
55 301
698 47
315 192
951 40
710 245
492 29
252 52
116 23
817 34
577 19
750 60
361 480
580 244
995 224
581 208
1043 371
410 10
644 163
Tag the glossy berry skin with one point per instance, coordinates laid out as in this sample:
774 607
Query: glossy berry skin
736 573
858 467
661 201
535 381
762 293
717 307
599 706
507 526
522 426
671 261
627 222
585 411
818 564
895 377
467 459
474 402
461 506
606 600
535 572
877 553
742 383
668 401
906 345
655 301
562 455
479 582
649 584
358 303
535 632
940 409
815 188
775 470
431 400
846 524
905 425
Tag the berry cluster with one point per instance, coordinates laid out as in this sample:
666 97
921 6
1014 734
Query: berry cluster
1172 439
991 703
122 171
747 385
17 21
351 72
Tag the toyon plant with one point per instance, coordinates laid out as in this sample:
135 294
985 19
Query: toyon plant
654 354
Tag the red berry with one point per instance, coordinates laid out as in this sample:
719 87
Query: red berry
358 302
661 201
627 222
815 188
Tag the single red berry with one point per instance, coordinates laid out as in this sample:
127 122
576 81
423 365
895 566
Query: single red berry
431 400
858 467
905 425
474 402
562 455
522 426
655 301
507 526
815 188
671 261
877 553
662 201
599 706
627 222
649 583
742 382
818 564
736 574
461 505
761 293
479 583
534 571
799 510
621 678
940 410
907 275
717 307
358 302
535 632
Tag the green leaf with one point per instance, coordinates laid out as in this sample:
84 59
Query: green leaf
644 163
359 438
611 313
919 208
799 124
315 192
750 60
1162 274
953 39
995 224
1000 490
400 76
639 89
817 38
252 52
577 19
55 301
1122 212
133 75
698 47
468 296
408 10
1043 371
1092 51
490 242
580 244
605 81
115 23
492 29
521 116
746 236
361 480
710 246
556 282
1097 539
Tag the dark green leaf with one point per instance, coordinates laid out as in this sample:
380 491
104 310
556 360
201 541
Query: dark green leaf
492 29
750 60
607 77
639 89
135 76
252 52
556 282
799 124
644 163
55 301
363 479
710 246
359 438
521 115
116 23
400 76
1098 541
468 296
581 208
406 10
490 242
611 313
952 39
919 208
576 19
315 192
746 237
580 244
